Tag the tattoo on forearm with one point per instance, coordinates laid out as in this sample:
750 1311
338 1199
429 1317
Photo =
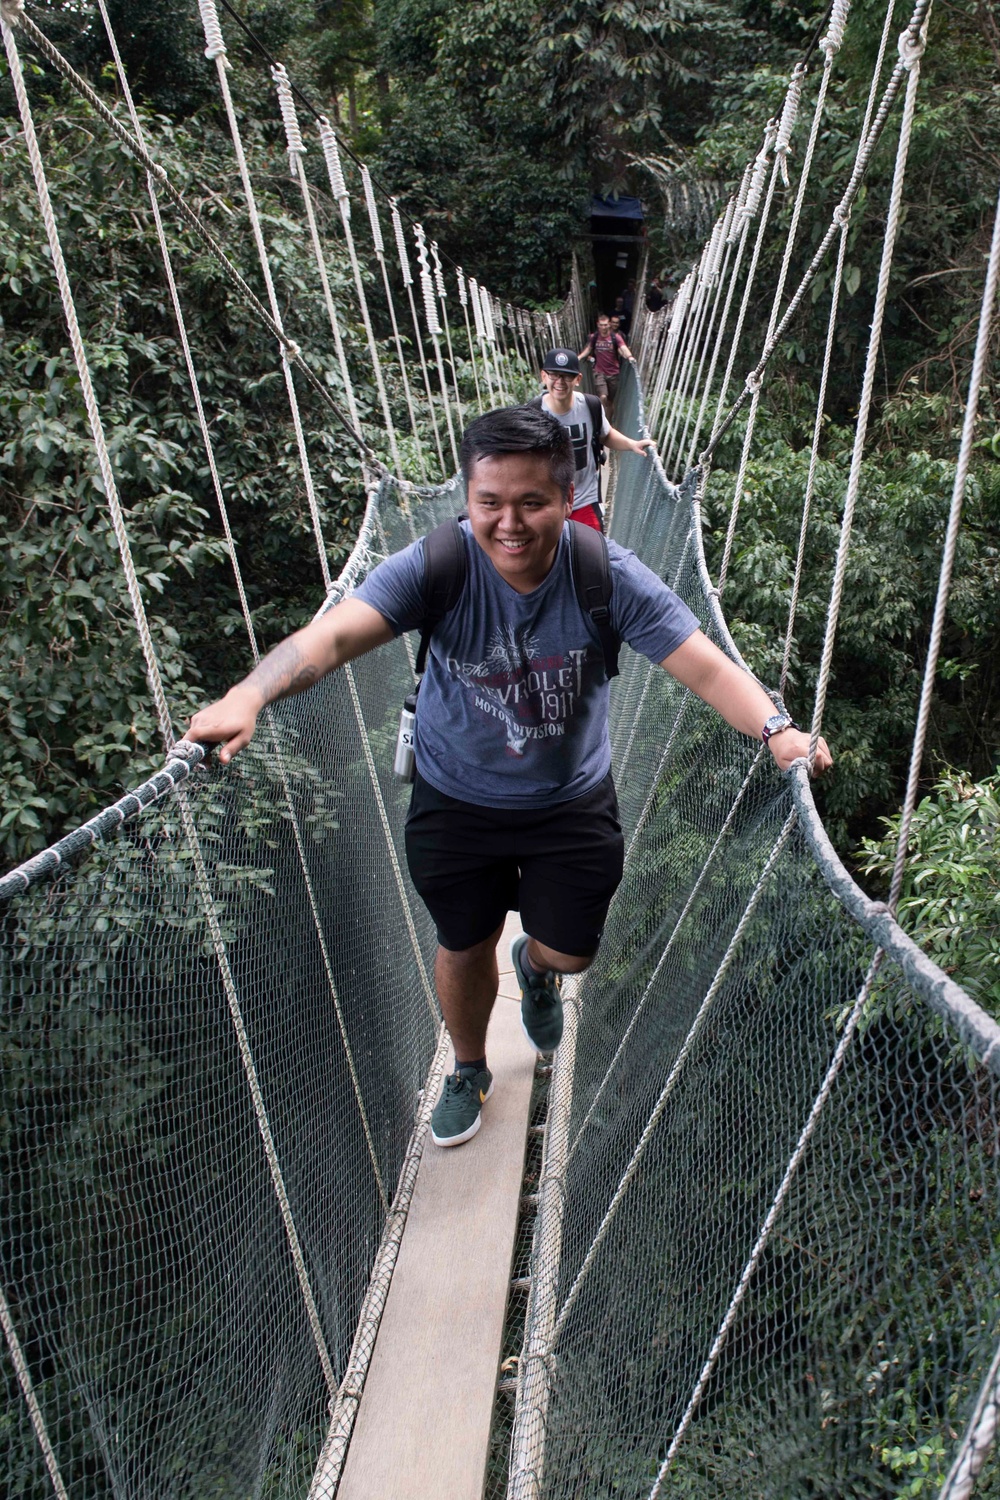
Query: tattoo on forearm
282 673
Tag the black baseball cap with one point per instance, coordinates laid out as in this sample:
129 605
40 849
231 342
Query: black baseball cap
561 362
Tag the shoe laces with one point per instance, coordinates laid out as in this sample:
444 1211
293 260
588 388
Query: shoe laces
457 1083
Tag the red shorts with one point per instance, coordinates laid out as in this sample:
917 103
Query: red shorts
589 515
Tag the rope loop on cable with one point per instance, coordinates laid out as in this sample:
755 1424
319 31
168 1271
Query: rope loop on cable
331 153
372 206
911 48
289 114
214 44
404 259
842 215
834 38
789 114
753 382
11 11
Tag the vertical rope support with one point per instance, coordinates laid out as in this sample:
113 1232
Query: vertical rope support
378 245
223 511
331 155
463 297
979 359
296 151
911 46
153 675
434 329
748 212
215 50
404 265
477 310
442 292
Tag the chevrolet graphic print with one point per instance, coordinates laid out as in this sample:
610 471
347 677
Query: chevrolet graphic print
528 694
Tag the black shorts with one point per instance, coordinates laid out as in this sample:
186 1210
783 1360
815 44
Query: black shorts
558 866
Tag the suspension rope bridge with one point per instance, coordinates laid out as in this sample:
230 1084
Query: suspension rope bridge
758 1251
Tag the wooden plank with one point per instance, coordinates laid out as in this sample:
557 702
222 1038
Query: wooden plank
423 1426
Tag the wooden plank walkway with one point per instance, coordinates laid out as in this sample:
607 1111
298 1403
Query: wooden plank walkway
422 1429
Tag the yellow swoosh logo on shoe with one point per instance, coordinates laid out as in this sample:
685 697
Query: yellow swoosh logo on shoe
482 1097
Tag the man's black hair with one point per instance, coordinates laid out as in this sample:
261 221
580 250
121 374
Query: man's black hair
519 429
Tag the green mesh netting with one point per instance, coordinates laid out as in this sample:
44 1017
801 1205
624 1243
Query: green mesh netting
160 1320
684 1328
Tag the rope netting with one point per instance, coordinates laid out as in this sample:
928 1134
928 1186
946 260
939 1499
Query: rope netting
765 1259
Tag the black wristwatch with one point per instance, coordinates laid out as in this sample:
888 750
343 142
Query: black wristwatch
775 724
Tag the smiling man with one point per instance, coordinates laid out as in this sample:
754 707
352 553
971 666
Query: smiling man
513 806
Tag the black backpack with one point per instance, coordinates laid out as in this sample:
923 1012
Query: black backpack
446 567
598 449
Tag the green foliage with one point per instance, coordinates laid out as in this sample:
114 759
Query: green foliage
891 583
74 704
950 899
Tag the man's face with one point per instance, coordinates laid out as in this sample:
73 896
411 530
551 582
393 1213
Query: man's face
517 512
560 385
604 326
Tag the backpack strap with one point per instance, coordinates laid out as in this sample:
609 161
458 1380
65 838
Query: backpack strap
445 569
596 411
591 568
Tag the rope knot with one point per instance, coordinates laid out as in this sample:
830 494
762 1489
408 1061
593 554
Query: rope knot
911 49
11 11
833 40
214 44
291 350
842 215
753 382
160 173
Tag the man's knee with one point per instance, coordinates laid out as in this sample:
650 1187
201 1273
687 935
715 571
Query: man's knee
473 955
563 963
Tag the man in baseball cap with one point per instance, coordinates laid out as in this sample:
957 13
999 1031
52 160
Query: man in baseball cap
589 430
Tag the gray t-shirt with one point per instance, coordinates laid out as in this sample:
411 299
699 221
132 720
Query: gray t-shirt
513 708
581 430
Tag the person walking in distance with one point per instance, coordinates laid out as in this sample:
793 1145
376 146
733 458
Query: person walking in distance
589 430
513 804
606 350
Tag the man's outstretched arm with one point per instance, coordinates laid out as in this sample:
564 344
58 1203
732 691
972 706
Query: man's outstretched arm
622 444
739 698
348 630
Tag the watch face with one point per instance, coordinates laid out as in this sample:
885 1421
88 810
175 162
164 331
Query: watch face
777 721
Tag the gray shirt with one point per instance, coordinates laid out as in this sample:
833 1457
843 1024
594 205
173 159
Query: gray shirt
513 707
581 431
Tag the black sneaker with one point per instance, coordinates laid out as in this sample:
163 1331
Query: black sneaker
541 1002
458 1113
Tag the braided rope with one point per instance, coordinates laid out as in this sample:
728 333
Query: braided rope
463 297
379 247
331 156
434 329
781 148
272 297
983 338
862 162
246 293
912 69
404 264
10 1332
